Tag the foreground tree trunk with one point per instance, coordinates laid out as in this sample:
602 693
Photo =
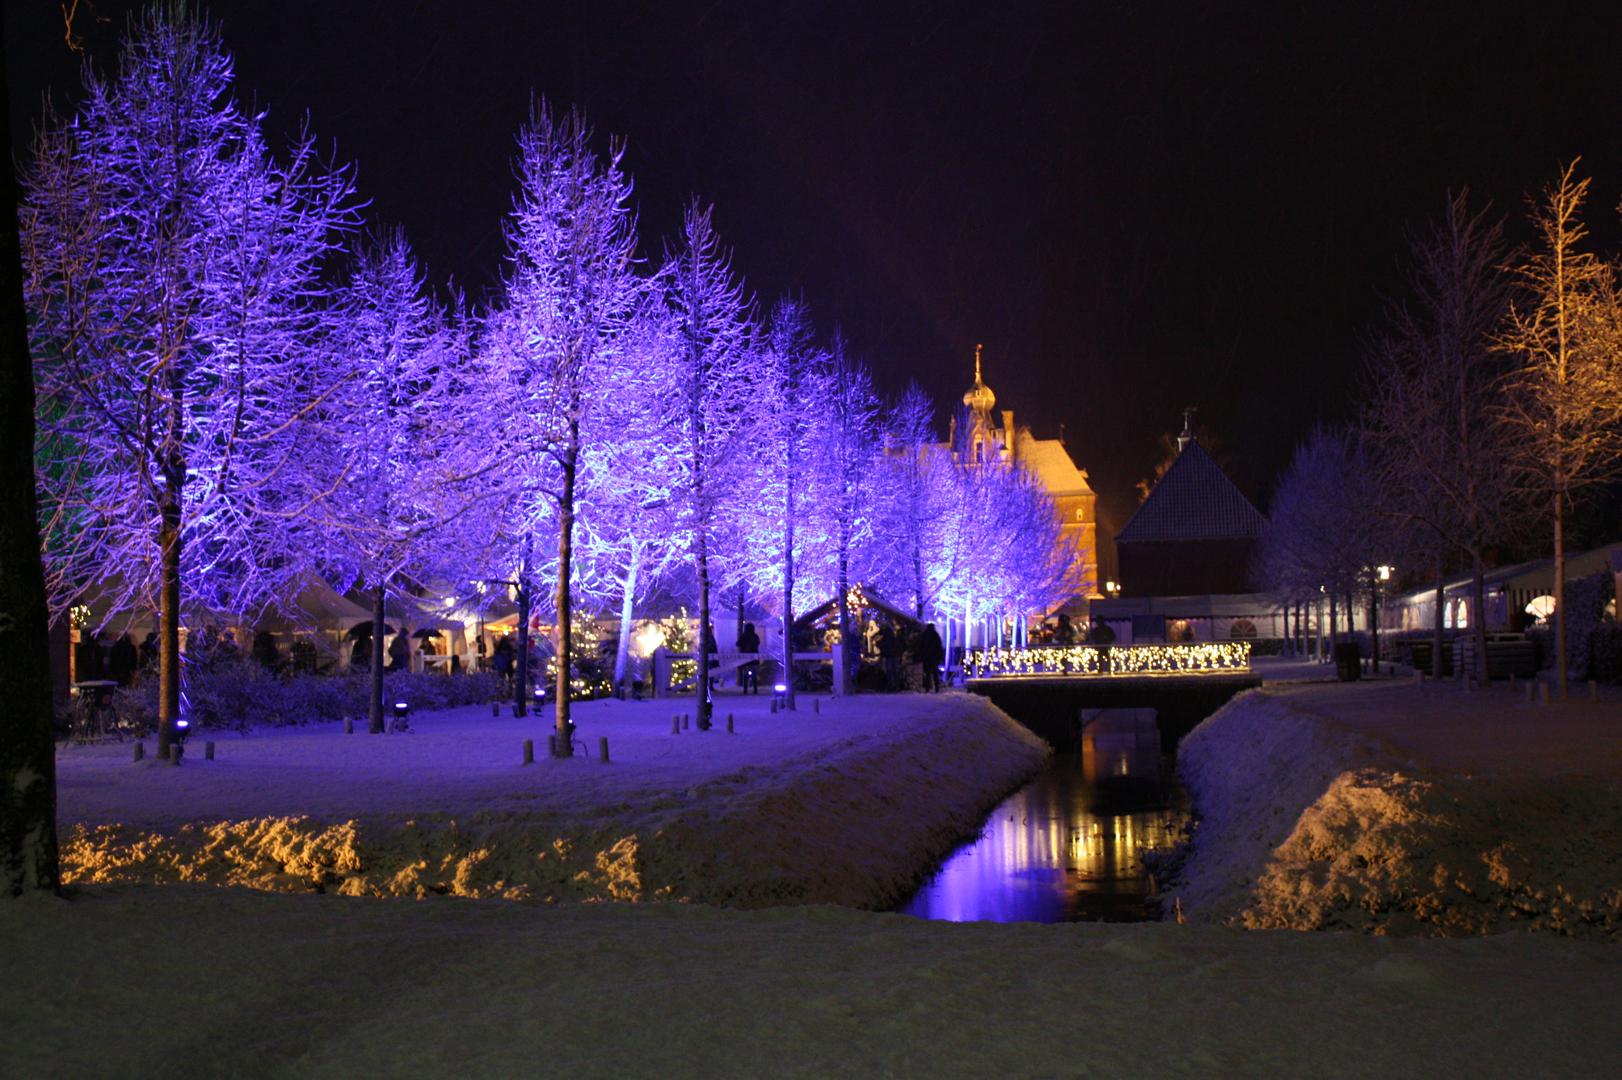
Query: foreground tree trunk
28 854
701 640
521 664
563 726
169 659
622 652
1478 593
788 603
1437 628
1561 674
375 704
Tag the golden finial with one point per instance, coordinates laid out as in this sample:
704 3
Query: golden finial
977 349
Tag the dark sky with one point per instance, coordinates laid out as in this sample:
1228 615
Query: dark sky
1134 205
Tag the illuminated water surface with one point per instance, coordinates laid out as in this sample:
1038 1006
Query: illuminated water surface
1068 846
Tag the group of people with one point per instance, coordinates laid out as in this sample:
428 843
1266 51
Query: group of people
95 660
926 647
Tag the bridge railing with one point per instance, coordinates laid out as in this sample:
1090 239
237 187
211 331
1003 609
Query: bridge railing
1107 660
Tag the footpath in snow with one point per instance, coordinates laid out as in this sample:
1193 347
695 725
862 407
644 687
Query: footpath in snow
1394 807
850 802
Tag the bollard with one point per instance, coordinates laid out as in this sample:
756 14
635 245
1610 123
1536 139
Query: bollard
140 750
730 731
774 706
529 751
552 746
495 708
349 725
675 725
687 721
1543 693
1593 691
208 751
602 749
816 706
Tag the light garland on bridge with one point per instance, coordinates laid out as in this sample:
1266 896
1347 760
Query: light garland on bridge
1095 660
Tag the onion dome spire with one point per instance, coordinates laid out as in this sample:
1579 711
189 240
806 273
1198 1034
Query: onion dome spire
979 398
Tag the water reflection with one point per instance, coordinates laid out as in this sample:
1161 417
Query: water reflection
1068 846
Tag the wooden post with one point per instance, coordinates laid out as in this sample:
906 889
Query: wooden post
529 751
816 706
675 725
495 708
349 725
140 750
687 721
208 751
602 749
730 731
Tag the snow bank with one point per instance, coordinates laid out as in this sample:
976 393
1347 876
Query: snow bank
189 981
1307 822
850 806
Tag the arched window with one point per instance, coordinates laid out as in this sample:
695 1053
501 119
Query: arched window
1242 628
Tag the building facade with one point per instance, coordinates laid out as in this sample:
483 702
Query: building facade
983 436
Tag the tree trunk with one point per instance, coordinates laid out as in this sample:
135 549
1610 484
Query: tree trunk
788 597
521 662
1437 621
169 658
563 727
1333 639
842 657
1561 674
1374 621
702 708
622 653
1479 601
375 702
28 850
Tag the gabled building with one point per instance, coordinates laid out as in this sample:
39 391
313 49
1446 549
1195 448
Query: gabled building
982 436
1196 533
1185 561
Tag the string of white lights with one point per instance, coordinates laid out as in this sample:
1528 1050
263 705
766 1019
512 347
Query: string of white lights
1074 660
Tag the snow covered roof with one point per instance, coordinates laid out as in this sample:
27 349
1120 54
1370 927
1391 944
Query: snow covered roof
1050 462
1195 500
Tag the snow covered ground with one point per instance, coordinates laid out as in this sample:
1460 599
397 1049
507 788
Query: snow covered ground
128 977
192 981
845 801
1395 807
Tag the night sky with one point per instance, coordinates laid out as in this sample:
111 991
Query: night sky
1135 206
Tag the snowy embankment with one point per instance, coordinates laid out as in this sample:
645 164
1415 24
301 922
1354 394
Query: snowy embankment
850 805
1400 809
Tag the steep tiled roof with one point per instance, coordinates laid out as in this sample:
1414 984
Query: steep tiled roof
1052 464
1195 500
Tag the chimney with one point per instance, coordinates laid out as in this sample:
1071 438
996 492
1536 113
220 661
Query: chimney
1008 432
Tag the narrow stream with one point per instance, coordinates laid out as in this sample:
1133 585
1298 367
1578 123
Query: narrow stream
1068 846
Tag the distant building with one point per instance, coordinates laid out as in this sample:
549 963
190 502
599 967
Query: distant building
1185 561
981 436
1196 533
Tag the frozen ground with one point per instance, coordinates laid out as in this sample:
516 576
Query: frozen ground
188 979
1392 807
850 804
191 981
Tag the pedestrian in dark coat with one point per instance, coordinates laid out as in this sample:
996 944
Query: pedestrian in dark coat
121 660
931 653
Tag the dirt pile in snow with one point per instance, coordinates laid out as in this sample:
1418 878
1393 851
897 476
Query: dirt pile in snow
856 822
1308 824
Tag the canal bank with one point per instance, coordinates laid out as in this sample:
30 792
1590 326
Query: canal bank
1397 808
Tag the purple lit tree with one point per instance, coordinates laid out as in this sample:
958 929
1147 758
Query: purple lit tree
570 295
793 383
175 292
711 332
917 483
846 458
403 447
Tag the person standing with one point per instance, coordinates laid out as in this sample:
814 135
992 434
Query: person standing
400 650
890 651
749 674
931 653
121 660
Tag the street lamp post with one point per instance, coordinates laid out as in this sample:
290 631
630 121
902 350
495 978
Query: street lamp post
1382 574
